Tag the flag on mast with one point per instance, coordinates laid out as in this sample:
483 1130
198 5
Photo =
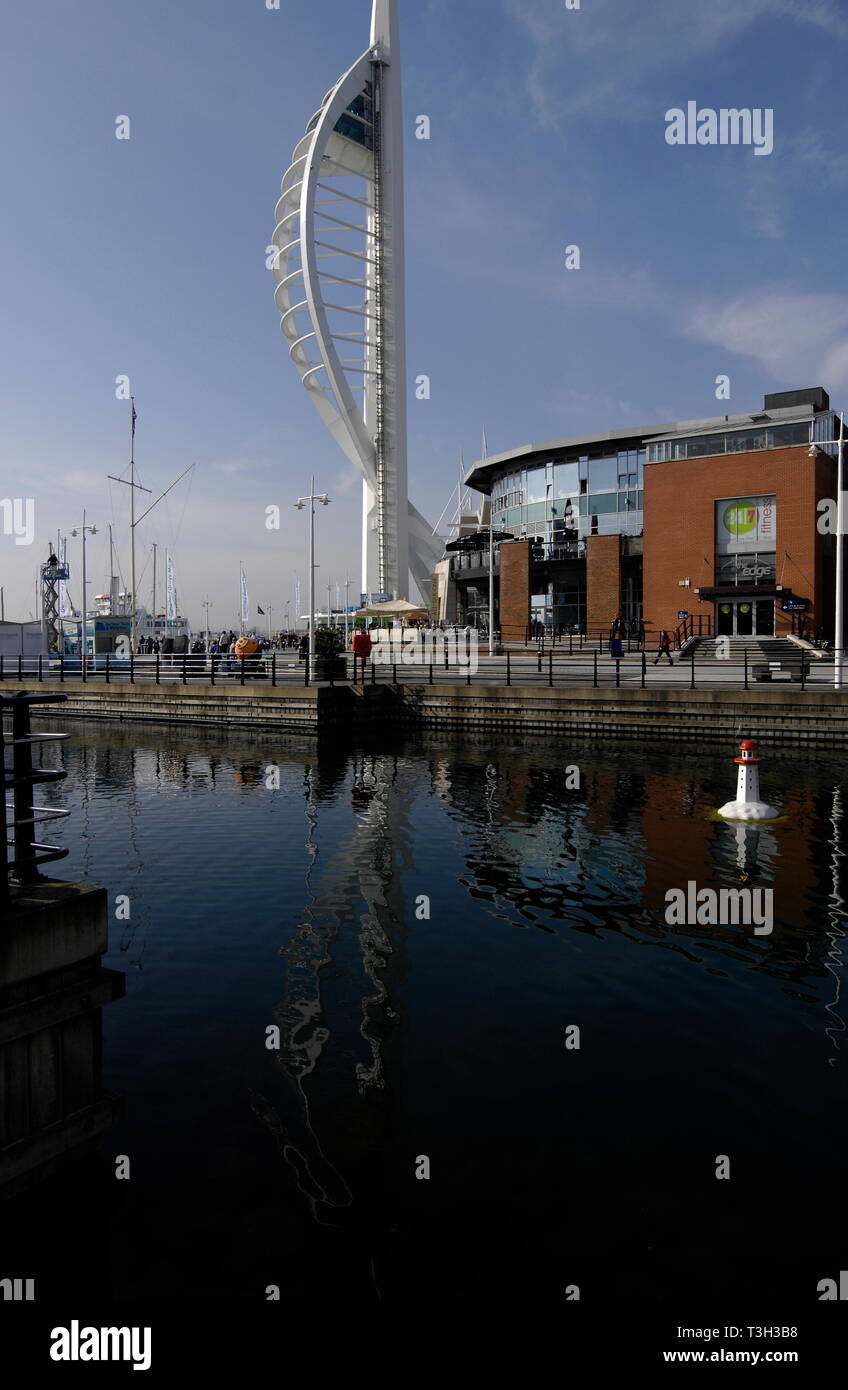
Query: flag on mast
134 416
245 605
65 605
171 607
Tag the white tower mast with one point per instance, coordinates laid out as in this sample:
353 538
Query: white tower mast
339 267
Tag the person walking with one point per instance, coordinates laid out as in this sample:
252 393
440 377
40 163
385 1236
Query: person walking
361 651
663 647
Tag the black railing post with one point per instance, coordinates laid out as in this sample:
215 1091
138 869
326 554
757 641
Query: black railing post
550 668
306 666
617 674
745 654
803 671
595 672
61 668
241 662
508 671
212 668
107 668
22 794
373 674
20 670
84 664
431 673
644 669
274 669
394 673
692 678
40 669
158 668
185 659
132 667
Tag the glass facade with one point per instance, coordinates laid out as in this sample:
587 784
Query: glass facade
592 496
357 122
731 442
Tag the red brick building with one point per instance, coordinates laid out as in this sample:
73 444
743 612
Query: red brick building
715 519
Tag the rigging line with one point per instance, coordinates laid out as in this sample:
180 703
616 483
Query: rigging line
185 505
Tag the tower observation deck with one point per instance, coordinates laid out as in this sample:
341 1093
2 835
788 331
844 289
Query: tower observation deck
339 268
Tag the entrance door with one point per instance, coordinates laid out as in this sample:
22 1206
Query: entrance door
725 616
764 617
745 618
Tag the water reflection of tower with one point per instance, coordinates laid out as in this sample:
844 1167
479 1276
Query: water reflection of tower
339 1049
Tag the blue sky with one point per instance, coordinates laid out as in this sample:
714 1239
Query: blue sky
147 256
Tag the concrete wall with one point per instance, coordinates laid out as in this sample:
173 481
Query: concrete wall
786 715
792 718
52 991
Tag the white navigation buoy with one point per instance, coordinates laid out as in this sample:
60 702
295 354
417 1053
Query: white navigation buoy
747 805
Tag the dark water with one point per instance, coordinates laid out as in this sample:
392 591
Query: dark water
405 1035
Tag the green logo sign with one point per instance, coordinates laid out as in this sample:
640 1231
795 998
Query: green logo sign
740 519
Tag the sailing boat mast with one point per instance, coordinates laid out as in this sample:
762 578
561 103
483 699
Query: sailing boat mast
133 486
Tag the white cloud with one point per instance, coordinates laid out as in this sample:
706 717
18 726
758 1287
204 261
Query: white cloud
801 337
599 57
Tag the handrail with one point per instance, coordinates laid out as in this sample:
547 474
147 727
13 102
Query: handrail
21 868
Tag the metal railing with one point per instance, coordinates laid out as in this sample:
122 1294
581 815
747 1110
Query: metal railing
21 817
696 625
571 662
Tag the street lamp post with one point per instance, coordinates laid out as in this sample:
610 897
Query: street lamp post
301 502
84 644
839 606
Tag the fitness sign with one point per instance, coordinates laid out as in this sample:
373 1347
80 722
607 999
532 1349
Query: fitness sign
746 530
